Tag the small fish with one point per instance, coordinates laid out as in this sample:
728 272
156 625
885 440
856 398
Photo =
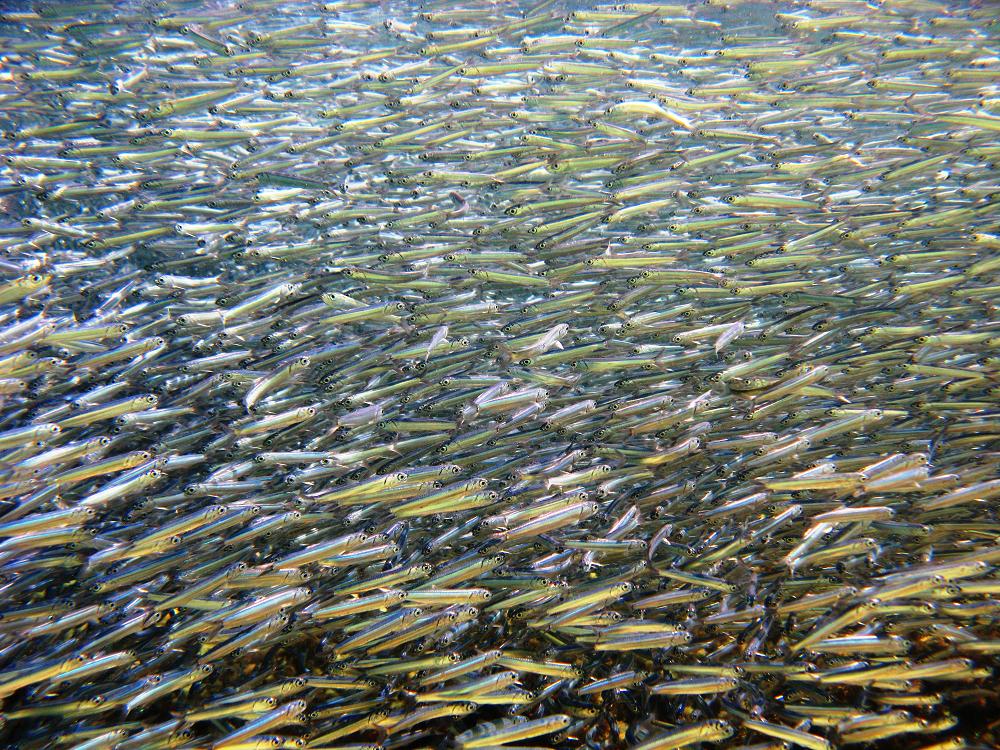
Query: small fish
482 375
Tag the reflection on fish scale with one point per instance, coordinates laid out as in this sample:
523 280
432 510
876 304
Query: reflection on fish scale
614 375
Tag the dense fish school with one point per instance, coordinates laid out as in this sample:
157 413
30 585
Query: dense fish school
486 375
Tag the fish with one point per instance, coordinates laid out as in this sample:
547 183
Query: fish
473 375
